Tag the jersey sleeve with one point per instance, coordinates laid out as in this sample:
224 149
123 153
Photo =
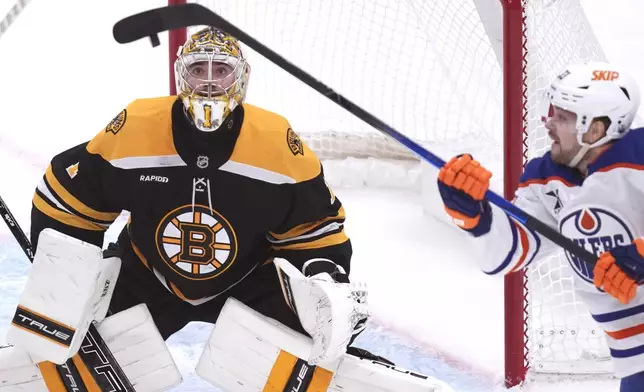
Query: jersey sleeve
77 196
510 245
314 226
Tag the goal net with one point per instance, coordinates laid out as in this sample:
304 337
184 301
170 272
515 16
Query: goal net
434 71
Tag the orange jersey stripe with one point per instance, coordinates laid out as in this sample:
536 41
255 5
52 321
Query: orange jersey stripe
525 244
626 332
543 181
623 166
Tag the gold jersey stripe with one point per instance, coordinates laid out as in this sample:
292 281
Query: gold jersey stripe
280 373
329 240
65 217
178 293
307 227
140 255
86 376
76 204
51 377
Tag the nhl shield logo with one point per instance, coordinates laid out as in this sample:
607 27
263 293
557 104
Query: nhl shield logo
596 230
196 242
202 161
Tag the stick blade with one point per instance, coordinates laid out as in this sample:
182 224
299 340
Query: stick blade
150 23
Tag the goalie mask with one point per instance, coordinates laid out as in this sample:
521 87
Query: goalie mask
211 76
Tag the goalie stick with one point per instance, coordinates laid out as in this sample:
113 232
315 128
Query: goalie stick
105 370
151 23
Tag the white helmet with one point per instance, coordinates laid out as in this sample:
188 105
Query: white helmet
211 76
592 90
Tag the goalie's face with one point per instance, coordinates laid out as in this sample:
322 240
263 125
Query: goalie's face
209 79
562 129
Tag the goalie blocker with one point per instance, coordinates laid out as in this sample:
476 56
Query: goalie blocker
69 285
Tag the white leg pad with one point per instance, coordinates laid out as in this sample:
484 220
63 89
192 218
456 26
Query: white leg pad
138 347
18 371
132 338
248 352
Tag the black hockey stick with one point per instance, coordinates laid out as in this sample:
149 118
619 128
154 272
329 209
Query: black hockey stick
151 23
100 361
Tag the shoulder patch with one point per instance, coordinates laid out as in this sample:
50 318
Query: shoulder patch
72 170
117 122
294 142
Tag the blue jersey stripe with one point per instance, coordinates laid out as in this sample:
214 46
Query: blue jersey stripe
627 353
620 314
537 247
508 259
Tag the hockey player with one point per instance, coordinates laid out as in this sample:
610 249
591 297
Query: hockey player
216 189
589 185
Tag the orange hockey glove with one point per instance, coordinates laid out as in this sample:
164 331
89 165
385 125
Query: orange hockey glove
620 270
462 183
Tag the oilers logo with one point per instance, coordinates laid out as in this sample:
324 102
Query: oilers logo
596 230
196 242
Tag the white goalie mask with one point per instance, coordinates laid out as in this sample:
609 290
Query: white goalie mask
594 90
211 76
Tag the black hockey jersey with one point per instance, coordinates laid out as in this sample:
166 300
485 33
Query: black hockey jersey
206 209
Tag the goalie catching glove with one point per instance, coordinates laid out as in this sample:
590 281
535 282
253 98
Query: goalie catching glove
330 309
620 270
462 183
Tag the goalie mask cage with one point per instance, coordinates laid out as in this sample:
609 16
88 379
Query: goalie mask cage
454 75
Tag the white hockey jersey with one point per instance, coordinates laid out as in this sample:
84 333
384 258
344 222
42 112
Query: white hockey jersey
602 210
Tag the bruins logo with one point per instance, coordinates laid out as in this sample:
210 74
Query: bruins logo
117 122
198 243
294 142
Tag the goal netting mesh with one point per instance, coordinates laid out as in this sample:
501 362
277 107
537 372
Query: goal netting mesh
433 71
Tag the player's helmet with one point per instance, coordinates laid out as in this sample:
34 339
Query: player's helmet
593 90
211 75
